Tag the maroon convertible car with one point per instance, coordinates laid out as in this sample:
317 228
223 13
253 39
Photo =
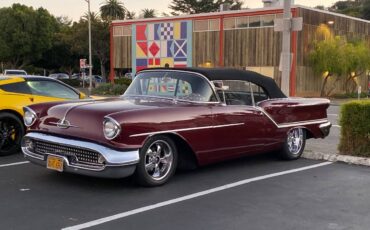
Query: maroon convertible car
171 118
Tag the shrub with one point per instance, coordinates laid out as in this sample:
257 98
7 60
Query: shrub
72 82
349 95
123 81
109 89
355 131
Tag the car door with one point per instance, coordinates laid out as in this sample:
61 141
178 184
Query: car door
15 96
240 127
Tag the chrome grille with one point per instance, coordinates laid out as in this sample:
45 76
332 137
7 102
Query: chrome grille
73 154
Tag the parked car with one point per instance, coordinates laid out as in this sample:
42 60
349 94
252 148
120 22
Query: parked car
95 79
128 75
169 118
17 92
59 76
15 72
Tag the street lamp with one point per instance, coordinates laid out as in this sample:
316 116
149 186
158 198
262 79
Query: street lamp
90 57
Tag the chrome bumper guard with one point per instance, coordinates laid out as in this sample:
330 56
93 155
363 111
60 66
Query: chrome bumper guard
325 128
117 164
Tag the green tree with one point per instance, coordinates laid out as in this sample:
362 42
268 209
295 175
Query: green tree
365 12
112 10
328 59
338 58
78 37
149 13
358 62
25 34
349 7
130 15
201 6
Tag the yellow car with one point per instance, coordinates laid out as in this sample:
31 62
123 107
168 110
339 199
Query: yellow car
17 92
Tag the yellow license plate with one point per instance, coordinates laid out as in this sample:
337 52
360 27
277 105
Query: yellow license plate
55 163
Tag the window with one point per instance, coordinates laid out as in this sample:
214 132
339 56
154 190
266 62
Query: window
233 92
19 87
242 22
201 25
207 25
121 31
171 84
52 89
268 20
229 23
259 93
214 25
255 21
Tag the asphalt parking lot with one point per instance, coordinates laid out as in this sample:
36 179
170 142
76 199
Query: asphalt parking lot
258 192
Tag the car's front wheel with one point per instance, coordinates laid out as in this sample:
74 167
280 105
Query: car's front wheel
158 161
11 133
294 144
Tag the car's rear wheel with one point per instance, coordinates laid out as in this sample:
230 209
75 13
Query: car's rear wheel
11 133
158 161
294 144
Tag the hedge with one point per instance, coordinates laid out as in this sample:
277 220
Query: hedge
123 81
355 131
72 82
109 89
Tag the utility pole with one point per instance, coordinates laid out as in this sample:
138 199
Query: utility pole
90 66
285 54
286 25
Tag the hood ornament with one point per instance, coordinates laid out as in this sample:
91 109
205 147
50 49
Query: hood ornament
63 124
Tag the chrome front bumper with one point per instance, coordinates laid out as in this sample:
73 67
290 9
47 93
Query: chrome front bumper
116 163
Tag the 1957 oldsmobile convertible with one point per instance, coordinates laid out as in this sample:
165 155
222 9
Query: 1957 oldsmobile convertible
170 118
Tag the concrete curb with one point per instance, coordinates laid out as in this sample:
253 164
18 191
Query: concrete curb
337 158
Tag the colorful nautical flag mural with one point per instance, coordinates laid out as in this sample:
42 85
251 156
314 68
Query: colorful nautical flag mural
161 44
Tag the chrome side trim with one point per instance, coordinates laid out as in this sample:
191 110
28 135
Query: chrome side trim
113 157
292 124
185 129
314 101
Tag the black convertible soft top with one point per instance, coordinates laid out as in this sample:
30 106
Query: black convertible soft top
267 83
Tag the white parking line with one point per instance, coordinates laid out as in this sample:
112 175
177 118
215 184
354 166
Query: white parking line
338 126
13 164
332 114
188 197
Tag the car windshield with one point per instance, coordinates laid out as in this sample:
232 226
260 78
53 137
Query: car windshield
172 84
51 89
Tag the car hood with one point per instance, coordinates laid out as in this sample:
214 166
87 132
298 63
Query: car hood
85 118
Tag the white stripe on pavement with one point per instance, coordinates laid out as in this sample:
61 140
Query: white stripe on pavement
338 126
13 164
188 197
332 114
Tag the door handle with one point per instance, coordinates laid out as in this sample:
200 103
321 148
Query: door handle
31 99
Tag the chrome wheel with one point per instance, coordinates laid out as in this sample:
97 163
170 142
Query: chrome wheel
158 160
295 140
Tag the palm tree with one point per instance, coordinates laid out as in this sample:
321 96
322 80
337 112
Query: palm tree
112 10
149 13
130 15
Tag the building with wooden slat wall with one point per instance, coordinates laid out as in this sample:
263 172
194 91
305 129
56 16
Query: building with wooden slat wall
242 39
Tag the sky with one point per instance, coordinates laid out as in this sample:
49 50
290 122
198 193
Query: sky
74 9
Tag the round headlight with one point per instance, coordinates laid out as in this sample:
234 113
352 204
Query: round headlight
111 128
29 117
